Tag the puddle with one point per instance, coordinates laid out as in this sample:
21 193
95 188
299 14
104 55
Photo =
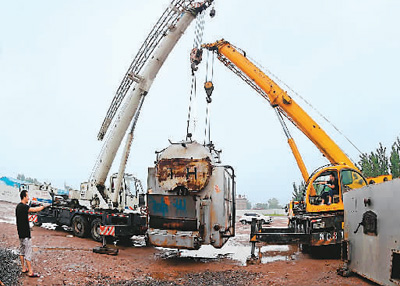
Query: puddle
138 241
233 250
237 250
8 220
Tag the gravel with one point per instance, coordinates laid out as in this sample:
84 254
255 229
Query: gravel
207 278
10 270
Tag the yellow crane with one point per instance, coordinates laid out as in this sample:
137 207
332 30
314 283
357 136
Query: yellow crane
319 219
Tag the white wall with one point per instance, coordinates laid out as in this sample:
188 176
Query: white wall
239 213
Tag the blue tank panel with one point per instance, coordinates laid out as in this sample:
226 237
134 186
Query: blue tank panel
62 192
11 182
171 206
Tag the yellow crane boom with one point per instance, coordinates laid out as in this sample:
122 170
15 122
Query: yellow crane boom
278 98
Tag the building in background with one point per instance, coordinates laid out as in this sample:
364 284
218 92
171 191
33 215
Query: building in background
242 203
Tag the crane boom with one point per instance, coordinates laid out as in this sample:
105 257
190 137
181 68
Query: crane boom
279 99
168 19
169 38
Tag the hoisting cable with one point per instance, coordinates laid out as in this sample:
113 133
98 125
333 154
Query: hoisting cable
305 101
209 88
195 58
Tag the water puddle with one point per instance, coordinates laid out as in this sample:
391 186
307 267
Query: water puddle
8 220
238 252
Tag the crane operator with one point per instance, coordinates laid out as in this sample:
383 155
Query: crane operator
334 190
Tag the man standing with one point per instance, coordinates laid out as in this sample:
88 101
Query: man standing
24 233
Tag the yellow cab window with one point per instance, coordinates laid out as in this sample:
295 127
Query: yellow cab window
351 180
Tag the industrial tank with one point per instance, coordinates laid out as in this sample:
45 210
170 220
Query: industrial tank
190 197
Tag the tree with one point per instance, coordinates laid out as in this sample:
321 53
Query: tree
298 191
21 177
261 206
383 161
365 165
395 159
374 164
274 204
373 158
248 205
27 179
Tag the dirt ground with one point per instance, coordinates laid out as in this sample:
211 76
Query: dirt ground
63 259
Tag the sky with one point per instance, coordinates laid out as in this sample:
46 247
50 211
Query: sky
61 63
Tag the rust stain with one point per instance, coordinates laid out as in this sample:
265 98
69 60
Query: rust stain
217 189
213 215
166 201
176 225
192 174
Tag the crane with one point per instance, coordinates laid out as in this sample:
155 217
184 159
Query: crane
95 209
317 222
125 107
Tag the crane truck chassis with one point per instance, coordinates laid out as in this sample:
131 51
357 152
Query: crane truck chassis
88 223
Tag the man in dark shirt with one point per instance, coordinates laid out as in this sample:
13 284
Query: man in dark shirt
24 232
334 189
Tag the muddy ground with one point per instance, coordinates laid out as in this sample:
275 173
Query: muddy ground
63 259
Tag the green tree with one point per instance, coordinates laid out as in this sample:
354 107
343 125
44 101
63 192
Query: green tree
21 177
28 179
395 159
298 191
374 164
365 165
261 206
383 161
248 205
274 204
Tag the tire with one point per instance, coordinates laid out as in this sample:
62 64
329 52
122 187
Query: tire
305 248
243 222
95 230
80 226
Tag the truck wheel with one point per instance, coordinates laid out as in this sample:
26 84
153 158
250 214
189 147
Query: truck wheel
80 226
305 248
243 222
95 230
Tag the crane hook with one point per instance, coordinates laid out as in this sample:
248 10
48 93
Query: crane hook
209 87
212 12
196 55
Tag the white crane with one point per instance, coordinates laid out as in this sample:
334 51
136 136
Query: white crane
128 101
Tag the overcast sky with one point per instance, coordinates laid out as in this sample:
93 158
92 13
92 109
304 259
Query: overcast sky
62 61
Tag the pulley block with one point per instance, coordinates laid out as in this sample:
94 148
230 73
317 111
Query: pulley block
209 88
196 55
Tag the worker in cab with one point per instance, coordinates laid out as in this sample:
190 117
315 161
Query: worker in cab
332 183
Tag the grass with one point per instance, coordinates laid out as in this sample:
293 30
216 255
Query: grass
275 214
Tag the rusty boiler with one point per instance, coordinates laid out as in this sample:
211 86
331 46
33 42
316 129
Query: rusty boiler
190 197
372 232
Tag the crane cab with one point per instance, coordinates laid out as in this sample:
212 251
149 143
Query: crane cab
318 190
